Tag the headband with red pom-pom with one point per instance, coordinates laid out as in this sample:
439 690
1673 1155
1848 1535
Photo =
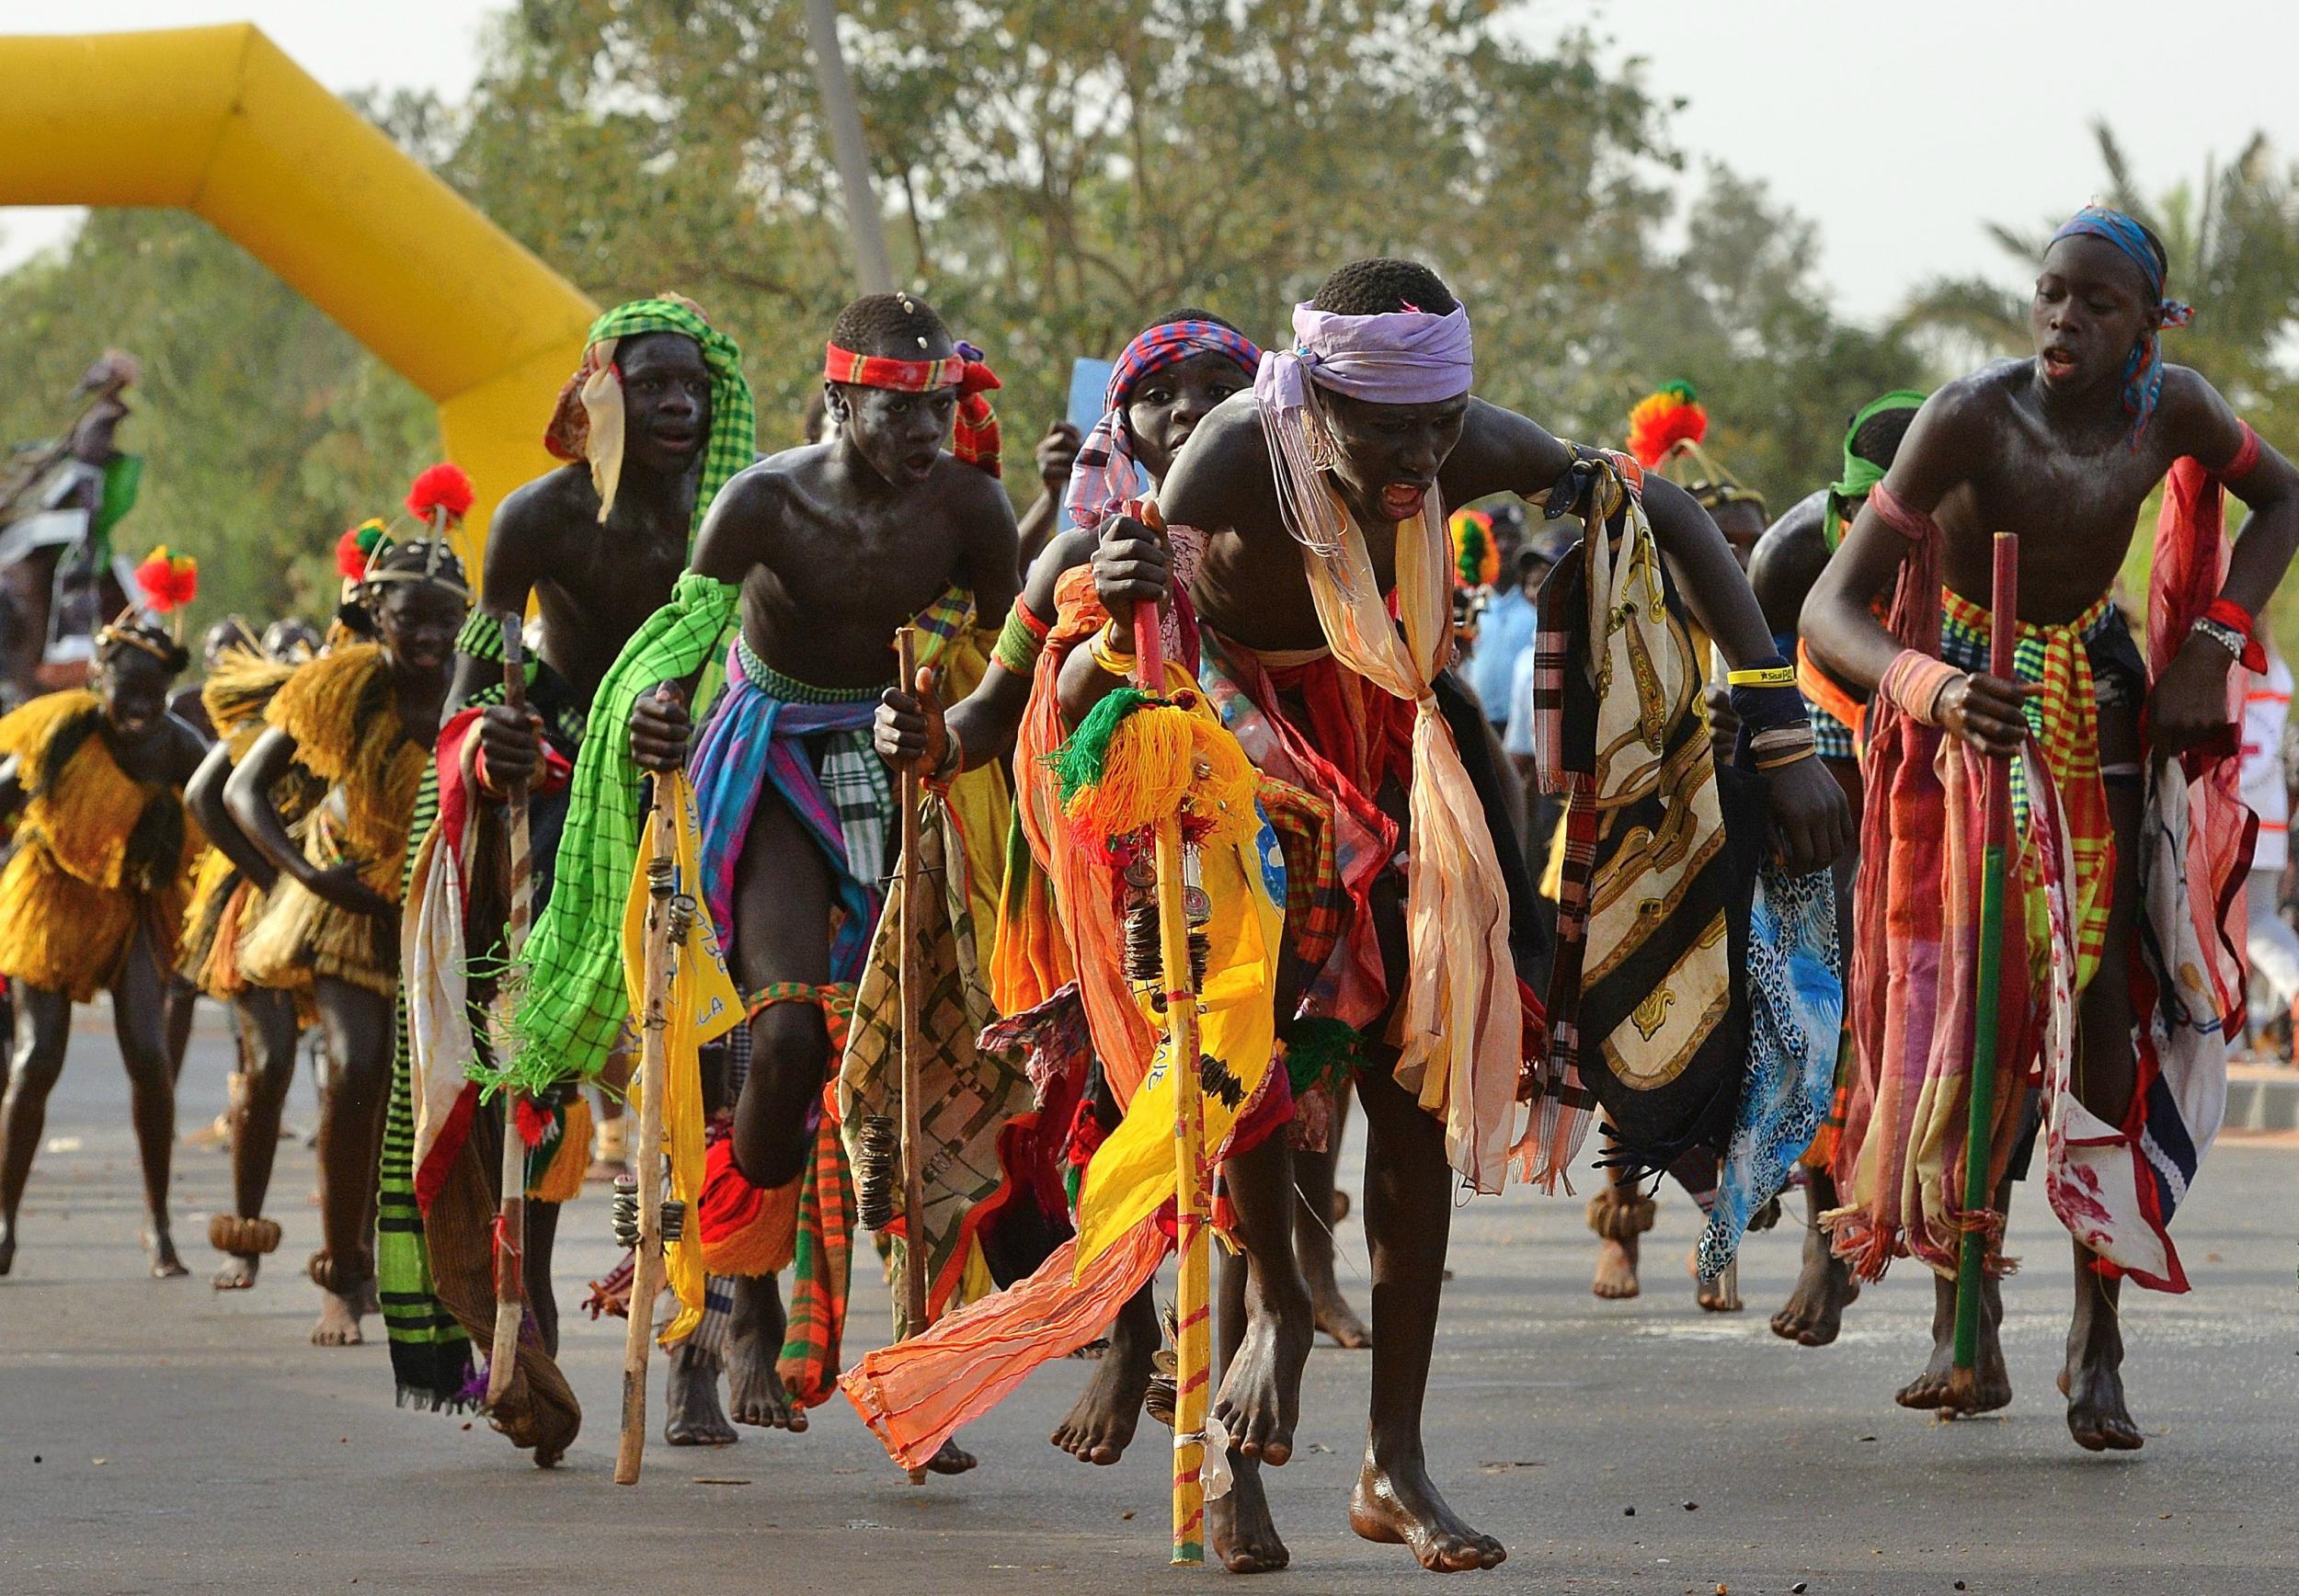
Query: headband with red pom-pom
441 497
166 583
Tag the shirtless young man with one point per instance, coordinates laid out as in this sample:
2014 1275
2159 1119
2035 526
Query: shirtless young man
1786 563
2063 448
833 547
1380 462
596 553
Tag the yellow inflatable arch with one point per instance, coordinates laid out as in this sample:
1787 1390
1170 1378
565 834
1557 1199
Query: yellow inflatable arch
219 121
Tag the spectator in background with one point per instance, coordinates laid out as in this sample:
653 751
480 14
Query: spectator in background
2274 947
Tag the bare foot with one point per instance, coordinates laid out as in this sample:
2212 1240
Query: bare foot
952 1459
1989 1386
1261 1395
754 1340
161 1248
1616 1269
691 1395
1825 1287
1720 1296
1238 1529
7 1248
338 1323
1329 1310
238 1273
1101 1423
2092 1380
1400 1507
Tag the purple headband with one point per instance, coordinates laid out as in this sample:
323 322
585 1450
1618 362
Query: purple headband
1397 358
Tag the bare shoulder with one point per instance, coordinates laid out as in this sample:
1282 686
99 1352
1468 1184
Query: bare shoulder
1225 459
969 490
533 511
1788 559
1501 451
186 749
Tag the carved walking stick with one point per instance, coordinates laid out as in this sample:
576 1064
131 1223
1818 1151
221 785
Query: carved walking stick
511 1220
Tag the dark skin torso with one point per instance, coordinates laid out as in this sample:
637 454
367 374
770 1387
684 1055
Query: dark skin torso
833 559
594 584
1788 560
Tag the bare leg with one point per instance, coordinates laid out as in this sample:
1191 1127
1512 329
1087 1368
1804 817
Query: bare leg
613 1151
1313 1224
181 996
1265 1332
2106 1074
139 1024
1619 1214
358 1027
1930 1388
1408 1218
267 1021
542 1301
1100 1424
43 1024
690 1394
782 933
754 1341
1826 1286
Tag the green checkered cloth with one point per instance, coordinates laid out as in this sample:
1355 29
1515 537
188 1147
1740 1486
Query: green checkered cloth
733 442
576 1002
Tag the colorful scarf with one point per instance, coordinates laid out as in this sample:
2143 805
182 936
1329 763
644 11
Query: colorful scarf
974 440
1105 475
1860 473
1900 1158
1462 1026
1644 1005
2142 372
586 424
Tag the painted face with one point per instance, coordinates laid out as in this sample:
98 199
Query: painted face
417 622
133 686
2090 310
1390 453
666 400
1742 522
1166 406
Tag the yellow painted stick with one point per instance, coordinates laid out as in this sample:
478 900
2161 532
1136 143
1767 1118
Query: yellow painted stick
654 1066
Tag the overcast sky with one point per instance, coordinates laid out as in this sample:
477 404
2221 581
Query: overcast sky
1899 127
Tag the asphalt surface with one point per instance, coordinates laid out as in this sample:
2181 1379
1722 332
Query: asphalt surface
160 1436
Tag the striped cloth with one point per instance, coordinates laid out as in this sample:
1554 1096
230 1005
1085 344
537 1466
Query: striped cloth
974 437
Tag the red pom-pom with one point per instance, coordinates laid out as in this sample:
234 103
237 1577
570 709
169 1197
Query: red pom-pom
1662 420
168 581
447 487
354 549
534 1120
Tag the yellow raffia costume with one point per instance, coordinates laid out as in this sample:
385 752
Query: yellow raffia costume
343 714
99 853
224 902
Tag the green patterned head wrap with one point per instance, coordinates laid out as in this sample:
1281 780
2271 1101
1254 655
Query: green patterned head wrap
1860 473
592 400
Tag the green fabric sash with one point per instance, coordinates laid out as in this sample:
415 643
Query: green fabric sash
1860 474
575 1002
733 442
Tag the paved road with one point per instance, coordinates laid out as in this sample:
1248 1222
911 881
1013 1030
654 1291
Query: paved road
158 1436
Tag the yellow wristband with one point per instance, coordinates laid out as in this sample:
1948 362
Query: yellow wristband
1762 675
1107 657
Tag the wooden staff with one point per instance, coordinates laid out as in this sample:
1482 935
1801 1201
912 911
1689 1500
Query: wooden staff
1193 1308
511 1220
1979 1135
913 1139
647 1277
906 978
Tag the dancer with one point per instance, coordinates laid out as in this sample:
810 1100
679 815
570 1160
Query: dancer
825 550
361 718
652 424
1337 458
94 898
2115 837
228 894
1169 378
1785 563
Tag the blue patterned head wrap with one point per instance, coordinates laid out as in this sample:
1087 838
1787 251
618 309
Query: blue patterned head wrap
2143 373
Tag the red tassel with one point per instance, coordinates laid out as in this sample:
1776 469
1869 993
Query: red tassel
355 548
168 581
446 486
534 1122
